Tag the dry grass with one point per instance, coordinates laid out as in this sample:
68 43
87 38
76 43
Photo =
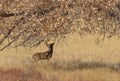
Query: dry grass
15 74
89 74
103 74
79 62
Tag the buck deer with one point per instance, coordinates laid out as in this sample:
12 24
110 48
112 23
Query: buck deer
44 55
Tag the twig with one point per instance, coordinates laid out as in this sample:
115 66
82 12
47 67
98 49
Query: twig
24 41
2 40
11 42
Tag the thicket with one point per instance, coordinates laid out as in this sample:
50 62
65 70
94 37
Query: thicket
29 22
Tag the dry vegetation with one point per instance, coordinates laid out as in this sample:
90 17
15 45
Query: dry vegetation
19 75
23 20
26 23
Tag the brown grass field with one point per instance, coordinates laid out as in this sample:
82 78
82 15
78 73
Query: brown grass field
74 59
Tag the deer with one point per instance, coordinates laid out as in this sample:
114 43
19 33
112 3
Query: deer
44 55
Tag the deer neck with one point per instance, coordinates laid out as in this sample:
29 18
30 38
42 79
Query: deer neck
51 50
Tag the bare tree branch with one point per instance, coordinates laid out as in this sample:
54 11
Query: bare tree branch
25 40
2 40
11 42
